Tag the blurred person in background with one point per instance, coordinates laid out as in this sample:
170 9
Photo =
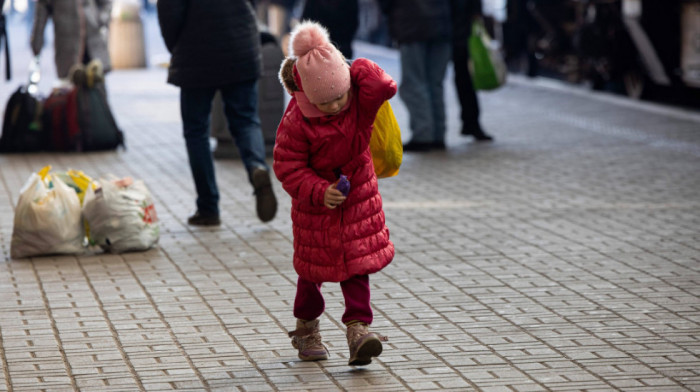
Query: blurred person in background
463 14
80 32
341 17
276 15
422 29
215 45
97 17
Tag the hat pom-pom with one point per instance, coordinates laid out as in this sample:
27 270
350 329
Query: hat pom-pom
307 36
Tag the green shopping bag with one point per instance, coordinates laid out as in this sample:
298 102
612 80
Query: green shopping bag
486 64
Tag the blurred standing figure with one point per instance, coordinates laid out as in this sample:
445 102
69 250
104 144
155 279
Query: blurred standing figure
80 31
463 14
97 16
341 18
215 45
276 15
422 30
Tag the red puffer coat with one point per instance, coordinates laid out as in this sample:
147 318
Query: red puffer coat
333 245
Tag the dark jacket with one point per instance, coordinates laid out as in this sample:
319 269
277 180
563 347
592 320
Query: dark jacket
213 42
463 13
340 17
417 20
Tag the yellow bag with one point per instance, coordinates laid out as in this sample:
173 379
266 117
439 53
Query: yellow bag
385 143
77 180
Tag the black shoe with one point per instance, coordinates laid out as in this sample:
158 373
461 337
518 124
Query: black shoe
203 219
483 137
439 146
478 134
265 201
417 146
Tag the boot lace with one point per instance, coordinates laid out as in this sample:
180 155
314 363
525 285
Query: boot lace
358 330
307 338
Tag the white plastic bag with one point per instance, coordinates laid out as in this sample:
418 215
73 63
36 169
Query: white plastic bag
121 216
47 221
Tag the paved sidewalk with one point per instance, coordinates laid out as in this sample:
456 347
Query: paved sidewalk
565 256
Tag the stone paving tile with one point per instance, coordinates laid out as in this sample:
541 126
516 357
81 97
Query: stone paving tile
562 257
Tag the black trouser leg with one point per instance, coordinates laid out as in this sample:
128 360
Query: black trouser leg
465 88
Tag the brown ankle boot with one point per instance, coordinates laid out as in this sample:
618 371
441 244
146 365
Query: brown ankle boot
307 339
364 345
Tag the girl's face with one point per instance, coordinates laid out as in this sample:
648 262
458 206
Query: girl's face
334 106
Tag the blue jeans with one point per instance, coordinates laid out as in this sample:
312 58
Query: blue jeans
241 109
423 67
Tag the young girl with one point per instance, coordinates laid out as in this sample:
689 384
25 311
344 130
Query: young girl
338 237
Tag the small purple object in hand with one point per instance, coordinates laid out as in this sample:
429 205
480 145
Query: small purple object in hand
343 185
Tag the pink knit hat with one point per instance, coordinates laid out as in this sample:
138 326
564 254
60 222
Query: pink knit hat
324 74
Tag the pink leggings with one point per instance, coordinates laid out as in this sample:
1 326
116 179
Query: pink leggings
309 303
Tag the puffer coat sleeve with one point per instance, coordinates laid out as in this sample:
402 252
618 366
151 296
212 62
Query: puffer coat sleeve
332 245
375 87
291 166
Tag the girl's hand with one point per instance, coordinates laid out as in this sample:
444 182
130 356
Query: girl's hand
333 197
